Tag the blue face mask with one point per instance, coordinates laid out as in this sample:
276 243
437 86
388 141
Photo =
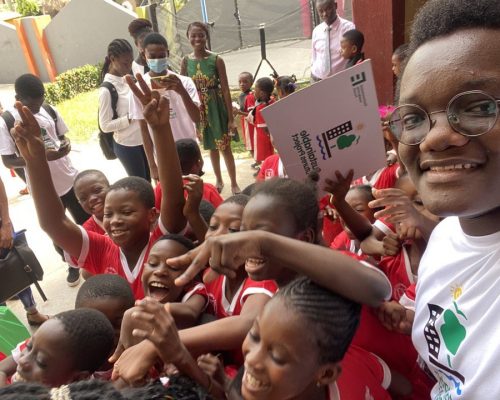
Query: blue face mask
157 65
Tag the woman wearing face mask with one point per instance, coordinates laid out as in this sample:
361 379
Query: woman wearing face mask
180 90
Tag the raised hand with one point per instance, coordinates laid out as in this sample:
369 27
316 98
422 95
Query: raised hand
339 186
27 134
156 107
194 188
224 254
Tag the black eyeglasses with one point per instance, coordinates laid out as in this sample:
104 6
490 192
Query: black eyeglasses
472 113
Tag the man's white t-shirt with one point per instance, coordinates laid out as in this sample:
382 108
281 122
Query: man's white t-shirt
181 123
456 330
62 171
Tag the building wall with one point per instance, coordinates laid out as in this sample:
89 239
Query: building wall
11 54
80 33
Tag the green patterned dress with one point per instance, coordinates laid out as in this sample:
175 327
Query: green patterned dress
213 124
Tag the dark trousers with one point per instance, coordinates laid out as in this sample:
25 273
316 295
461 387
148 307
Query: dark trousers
71 204
133 159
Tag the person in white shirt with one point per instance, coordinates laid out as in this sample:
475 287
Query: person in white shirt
127 142
180 90
31 92
326 58
448 128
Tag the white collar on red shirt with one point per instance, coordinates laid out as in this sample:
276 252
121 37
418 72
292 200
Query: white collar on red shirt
229 308
133 274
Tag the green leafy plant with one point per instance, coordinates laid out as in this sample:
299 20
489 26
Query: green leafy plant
70 83
27 8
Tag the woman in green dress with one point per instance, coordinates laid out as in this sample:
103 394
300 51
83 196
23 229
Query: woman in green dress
208 72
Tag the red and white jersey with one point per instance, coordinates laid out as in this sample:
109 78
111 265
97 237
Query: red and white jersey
407 300
222 307
364 377
210 194
94 225
263 147
384 178
193 289
100 255
398 270
272 167
246 125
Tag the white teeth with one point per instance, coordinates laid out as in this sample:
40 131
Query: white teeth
252 382
256 260
453 167
158 285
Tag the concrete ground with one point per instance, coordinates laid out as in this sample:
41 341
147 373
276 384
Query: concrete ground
290 57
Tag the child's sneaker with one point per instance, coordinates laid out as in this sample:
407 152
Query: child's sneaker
73 278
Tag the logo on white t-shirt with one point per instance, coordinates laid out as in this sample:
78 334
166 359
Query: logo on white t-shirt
444 333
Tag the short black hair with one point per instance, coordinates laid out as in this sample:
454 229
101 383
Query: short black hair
356 38
249 74
331 318
249 189
154 38
296 198
90 336
189 153
240 199
181 239
102 286
206 210
439 18
90 172
29 86
367 191
265 84
140 186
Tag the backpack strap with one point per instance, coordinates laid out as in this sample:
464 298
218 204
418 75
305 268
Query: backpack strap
9 119
114 96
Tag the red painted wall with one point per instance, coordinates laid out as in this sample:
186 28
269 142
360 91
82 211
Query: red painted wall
382 23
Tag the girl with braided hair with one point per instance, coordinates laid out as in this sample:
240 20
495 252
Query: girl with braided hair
114 118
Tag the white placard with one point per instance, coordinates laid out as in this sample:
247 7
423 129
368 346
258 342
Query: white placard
331 125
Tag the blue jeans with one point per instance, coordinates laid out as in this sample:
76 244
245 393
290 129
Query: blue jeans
133 159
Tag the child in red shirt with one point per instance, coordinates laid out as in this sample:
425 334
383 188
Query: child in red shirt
263 147
246 101
129 210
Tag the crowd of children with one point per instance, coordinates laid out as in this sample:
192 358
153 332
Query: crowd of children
385 288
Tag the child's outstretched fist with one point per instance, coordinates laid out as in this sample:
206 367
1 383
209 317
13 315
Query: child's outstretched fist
339 186
156 107
27 134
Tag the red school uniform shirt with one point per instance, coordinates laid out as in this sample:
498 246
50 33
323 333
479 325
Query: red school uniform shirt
363 376
248 127
94 225
384 178
100 255
221 307
263 147
210 194
272 167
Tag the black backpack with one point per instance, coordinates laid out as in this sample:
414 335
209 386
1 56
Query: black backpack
106 138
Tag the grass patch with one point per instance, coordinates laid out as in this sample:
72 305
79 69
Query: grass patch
80 115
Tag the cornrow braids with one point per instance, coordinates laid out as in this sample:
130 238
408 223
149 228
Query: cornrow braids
115 49
296 198
332 319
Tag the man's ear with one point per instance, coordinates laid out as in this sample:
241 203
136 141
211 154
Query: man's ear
153 215
328 373
354 48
